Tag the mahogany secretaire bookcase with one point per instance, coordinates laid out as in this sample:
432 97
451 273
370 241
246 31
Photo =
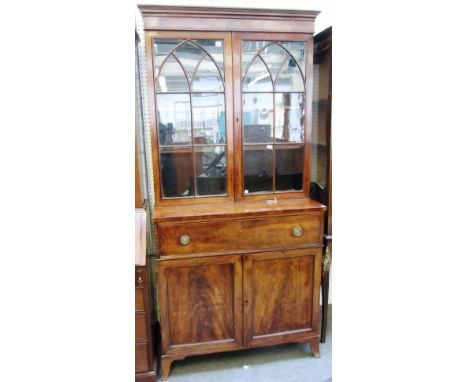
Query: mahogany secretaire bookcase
239 240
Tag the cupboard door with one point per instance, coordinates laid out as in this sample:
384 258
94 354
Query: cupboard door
281 296
201 304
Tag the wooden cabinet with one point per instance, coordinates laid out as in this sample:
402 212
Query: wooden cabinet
239 240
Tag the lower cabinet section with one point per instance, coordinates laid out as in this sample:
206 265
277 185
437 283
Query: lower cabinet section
221 303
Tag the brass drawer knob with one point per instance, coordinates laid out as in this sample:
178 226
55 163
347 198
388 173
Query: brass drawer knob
297 231
184 239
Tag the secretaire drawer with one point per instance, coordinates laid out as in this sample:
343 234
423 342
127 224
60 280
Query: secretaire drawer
241 234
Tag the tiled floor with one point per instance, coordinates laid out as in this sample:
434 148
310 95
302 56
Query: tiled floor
285 363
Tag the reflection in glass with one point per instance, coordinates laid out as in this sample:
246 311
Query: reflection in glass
207 78
189 55
257 118
174 119
210 170
176 171
289 117
298 51
161 49
289 161
208 118
249 49
216 50
258 169
274 56
172 77
289 79
257 78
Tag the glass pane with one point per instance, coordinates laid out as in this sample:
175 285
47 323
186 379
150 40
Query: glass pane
289 163
176 171
289 117
215 48
257 118
274 57
174 119
210 170
161 49
249 49
172 77
208 118
258 169
257 78
289 79
189 55
207 78
298 50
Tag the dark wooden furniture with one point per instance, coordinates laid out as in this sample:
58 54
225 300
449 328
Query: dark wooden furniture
145 361
321 187
145 366
239 257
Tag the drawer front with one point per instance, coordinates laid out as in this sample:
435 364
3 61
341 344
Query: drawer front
242 234
140 326
141 357
139 299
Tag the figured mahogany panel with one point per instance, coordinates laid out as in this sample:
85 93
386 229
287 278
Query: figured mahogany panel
280 295
288 284
201 302
233 235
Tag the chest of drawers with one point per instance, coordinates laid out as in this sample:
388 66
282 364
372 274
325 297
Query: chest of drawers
145 369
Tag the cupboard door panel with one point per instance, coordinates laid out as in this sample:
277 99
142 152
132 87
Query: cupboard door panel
201 303
281 296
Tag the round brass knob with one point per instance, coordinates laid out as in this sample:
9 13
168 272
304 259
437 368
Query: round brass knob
297 231
184 239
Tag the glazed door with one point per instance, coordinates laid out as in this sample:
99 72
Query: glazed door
273 113
201 304
281 296
190 93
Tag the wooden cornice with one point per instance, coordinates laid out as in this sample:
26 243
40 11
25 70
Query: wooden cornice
228 19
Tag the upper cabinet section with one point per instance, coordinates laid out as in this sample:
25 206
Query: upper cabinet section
230 96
